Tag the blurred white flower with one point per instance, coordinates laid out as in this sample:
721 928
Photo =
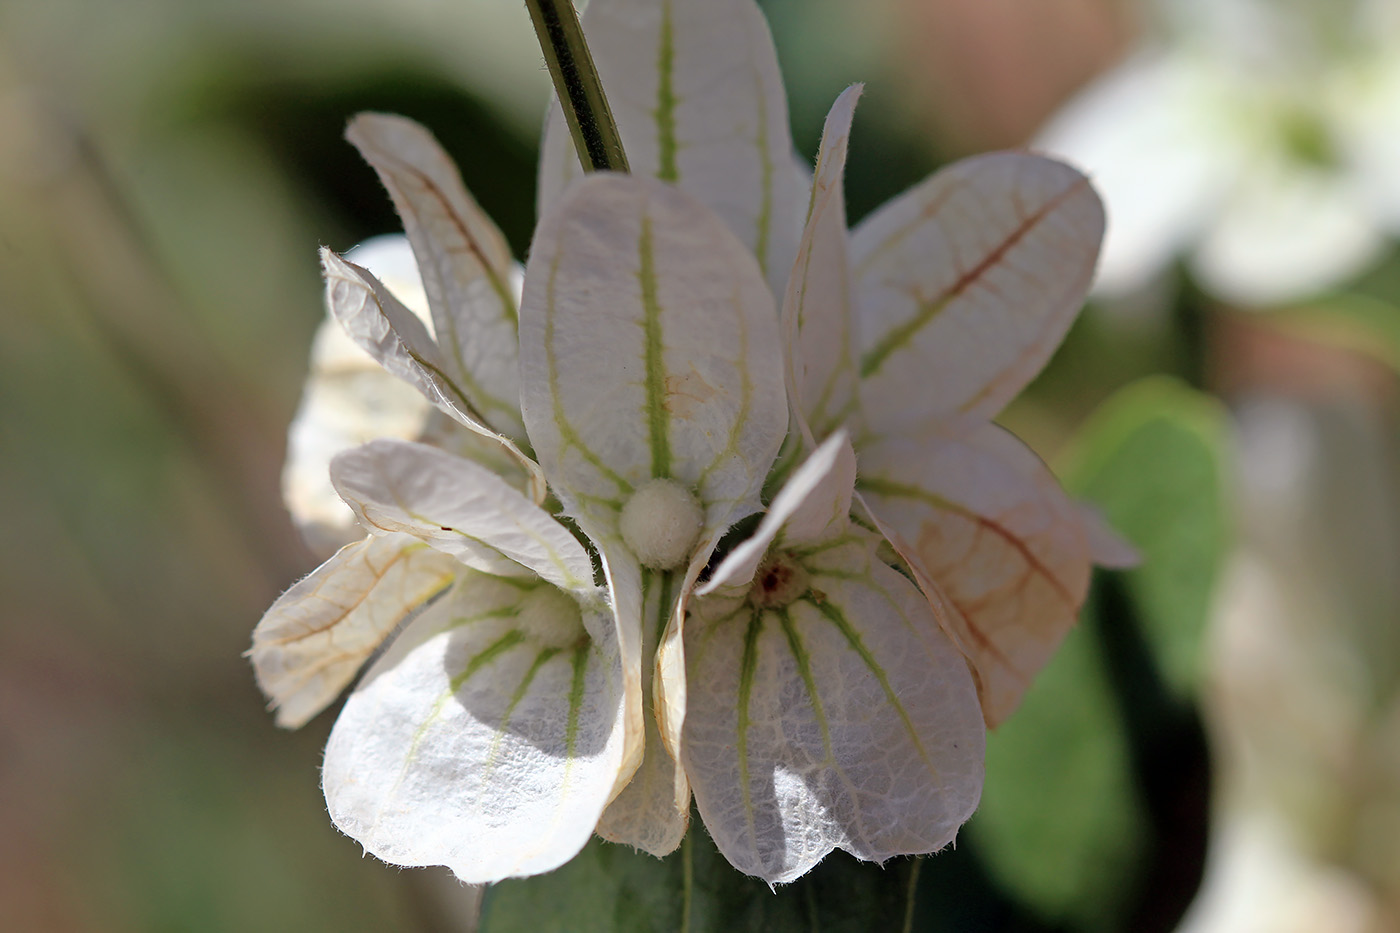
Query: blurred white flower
1259 138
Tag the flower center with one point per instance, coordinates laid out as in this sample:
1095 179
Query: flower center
780 579
661 523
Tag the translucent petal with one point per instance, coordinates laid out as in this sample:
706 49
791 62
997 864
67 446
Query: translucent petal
649 348
313 640
488 738
463 258
966 283
699 101
400 342
986 521
653 811
348 399
845 719
459 508
817 317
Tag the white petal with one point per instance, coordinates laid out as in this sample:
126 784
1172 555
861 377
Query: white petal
487 739
389 258
461 509
464 260
817 317
846 719
1161 155
649 349
624 581
653 811
966 283
313 640
985 520
348 399
698 98
394 336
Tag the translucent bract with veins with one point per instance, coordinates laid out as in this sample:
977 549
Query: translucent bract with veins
592 638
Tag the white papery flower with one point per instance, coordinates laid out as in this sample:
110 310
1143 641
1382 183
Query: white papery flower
810 694
1259 138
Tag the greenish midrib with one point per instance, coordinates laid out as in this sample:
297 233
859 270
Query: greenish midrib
658 418
462 396
748 666
492 651
875 357
504 612
890 489
665 112
576 698
540 660
843 625
663 605
804 669
823 547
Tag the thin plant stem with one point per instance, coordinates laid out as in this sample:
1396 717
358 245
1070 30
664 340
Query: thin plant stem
576 82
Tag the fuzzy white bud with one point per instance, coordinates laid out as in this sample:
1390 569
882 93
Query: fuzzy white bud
661 523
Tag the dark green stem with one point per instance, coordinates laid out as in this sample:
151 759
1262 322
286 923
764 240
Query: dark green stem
576 82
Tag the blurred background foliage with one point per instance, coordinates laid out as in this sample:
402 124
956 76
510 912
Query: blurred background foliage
167 170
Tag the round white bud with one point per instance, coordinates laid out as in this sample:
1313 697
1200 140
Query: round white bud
661 523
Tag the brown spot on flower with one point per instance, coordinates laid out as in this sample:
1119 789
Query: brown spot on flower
780 579
686 391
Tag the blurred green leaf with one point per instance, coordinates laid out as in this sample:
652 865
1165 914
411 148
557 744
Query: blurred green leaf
1153 460
1059 823
613 889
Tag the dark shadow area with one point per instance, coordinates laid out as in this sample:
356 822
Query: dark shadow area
1170 759
302 123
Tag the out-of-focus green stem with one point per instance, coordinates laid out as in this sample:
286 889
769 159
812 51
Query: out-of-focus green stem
576 82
